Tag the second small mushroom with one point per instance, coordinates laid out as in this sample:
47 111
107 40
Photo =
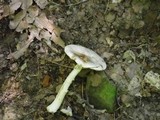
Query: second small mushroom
85 58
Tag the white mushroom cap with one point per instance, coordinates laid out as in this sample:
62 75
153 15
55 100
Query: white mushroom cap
85 57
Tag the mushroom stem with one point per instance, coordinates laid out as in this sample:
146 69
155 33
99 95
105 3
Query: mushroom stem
54 106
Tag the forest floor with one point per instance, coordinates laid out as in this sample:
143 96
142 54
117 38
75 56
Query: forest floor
126 34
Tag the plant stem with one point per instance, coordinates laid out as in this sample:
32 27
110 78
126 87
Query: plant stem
54 106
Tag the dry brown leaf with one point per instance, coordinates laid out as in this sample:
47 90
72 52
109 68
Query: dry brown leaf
32 11
46 81
26 4
14 5
39 26
45 34
22 26
17 54
42 22
57 40
34 33
17 19
41 3
4 11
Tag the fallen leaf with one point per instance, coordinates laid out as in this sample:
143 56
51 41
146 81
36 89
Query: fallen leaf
57 40
41 3
17 19
4 11
45 34
41 21
17 54
14 5
33 12
34 33
22 26
26 4
153 79
46 81
129 55
134 87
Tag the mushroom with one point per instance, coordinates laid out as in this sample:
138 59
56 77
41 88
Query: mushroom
85 58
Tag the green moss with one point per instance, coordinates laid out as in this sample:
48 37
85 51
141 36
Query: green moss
101 92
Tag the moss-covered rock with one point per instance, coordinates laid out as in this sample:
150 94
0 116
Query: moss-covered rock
101 92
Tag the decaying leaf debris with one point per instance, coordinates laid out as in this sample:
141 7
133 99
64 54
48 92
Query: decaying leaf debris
125 33
31 20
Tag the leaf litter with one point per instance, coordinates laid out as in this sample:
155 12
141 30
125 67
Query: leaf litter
114 29
33 21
